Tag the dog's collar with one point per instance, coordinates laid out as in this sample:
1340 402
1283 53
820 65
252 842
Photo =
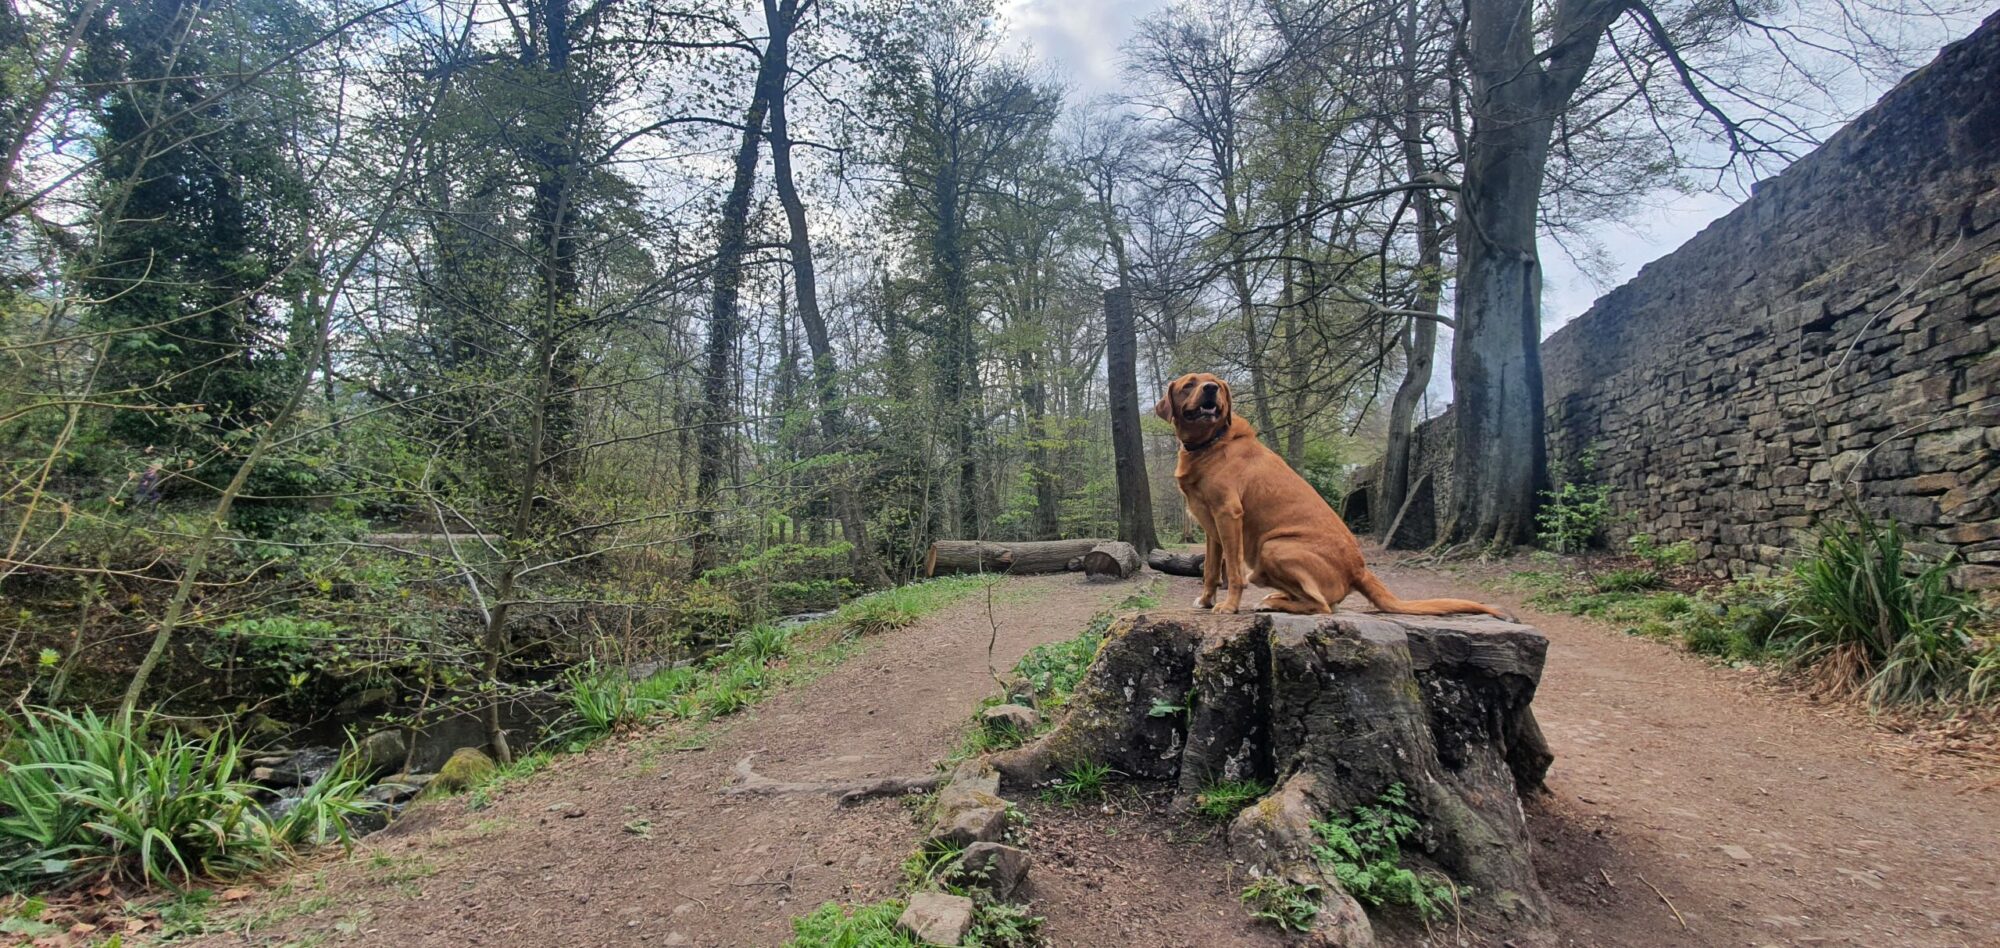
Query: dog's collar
1217 436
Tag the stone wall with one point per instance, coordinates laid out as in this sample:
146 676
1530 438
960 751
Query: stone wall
1834 335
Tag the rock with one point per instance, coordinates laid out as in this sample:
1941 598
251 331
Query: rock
262 775
996 867
382 752
389 793
1019 690
467 766
367 699
264 727
304 767
975 825
969 808
935 918
1012 717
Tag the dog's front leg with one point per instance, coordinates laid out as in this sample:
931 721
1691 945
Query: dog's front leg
1211 568
1228 534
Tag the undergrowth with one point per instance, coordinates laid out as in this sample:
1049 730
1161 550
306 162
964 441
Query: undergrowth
1859 613
89 797
1220 801
1292 906
1363 849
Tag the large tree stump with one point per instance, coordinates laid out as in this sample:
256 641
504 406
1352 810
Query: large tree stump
1332 711
1114 560
948 557
1176 564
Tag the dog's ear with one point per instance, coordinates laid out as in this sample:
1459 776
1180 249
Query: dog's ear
1165 409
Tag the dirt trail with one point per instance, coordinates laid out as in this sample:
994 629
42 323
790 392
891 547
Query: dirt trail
552 861
1764 821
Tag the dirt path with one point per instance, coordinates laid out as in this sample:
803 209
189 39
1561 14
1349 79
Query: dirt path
1764 820
552 862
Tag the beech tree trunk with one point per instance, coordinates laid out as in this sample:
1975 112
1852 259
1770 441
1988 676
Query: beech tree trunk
1111 561
1121 354
1500 458
1420 337
1331 711
948 557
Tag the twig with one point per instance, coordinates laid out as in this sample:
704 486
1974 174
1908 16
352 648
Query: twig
1606 873
1670 903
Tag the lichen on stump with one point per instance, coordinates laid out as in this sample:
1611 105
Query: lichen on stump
1331 711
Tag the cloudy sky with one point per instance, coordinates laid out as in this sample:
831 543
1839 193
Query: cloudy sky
1080 41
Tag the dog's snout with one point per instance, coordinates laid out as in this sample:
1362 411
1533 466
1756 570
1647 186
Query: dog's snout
1208 388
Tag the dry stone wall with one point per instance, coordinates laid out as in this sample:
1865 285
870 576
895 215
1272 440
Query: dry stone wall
1833 336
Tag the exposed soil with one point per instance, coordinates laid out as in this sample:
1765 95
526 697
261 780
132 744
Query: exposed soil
552 861
1762 819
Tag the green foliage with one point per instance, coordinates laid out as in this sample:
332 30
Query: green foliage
1670 556
1291 906
324 813
927 867
1575 511
1056 668
85 795
1627 580
1871 614
897 607
1082 782
863 926
1363 850
604 701
1000 925
1220 801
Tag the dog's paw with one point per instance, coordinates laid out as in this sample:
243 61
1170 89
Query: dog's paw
1224 609
1203 602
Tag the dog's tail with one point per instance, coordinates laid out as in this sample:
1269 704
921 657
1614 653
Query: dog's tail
1387 601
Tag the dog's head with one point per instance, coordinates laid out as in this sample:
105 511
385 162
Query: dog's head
1198 404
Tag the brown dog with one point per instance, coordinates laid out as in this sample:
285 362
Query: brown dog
1265 524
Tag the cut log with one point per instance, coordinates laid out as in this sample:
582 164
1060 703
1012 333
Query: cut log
950 557
1114 560
1176 564
1331 711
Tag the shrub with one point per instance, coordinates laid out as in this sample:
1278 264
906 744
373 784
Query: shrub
1574 512
1869 614
90 796
604 701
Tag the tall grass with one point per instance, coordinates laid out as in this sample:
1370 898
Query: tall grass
83 796
1868 614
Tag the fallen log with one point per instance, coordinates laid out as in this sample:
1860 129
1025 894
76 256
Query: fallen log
949 557
1114 560
1332 712
1176 564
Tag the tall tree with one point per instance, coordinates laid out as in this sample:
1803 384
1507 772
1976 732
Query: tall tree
1135 493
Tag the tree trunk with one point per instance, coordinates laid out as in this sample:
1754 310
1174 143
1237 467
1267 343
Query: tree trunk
1500 458
732 242
1111 561
1041 461
1420 337
1333 711
1177 564
782 19
948 557
1135 490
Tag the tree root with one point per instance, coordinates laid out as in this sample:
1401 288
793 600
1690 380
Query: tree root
751 783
